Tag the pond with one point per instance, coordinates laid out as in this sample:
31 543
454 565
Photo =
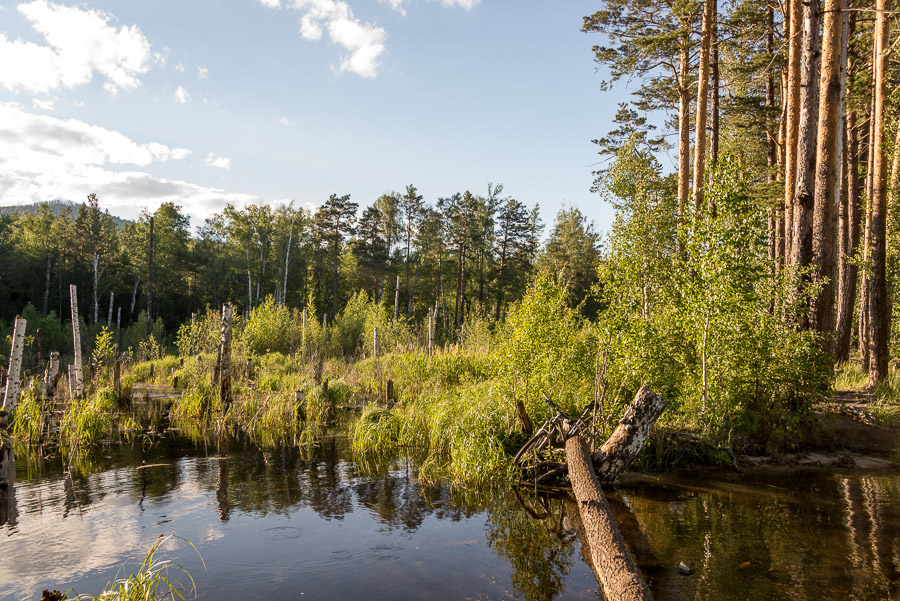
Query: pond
289 524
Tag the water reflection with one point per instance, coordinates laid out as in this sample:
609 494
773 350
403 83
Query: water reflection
8 510
787 536
286 520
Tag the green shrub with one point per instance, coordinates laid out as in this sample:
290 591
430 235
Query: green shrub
270 328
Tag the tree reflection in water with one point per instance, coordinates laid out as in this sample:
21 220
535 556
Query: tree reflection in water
789 536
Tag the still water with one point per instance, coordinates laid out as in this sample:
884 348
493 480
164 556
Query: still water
288 524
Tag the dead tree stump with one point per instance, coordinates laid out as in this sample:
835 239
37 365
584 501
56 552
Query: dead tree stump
15 365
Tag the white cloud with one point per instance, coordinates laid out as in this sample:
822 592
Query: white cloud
466 4
80 43
364 41
395 4
44 105
202 72
179 67
271 3
42 158
217 162
182 95
284 121
310 29
30 142
398 4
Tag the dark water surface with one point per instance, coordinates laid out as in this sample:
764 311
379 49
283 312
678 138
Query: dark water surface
284 524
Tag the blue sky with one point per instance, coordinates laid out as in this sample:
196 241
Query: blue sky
208 102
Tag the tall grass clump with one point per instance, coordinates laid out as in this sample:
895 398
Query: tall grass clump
463 431
29 420
90 420
151 582
197 403
850 375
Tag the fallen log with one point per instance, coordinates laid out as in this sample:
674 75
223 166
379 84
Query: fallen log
624 444
613 565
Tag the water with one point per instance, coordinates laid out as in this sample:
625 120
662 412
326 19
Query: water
282 524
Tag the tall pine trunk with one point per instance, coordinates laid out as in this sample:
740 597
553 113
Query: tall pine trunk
828 162
684 122
46 304
849 238
801 245
795 11
879 311
702 98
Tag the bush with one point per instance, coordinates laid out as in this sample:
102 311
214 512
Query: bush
270 328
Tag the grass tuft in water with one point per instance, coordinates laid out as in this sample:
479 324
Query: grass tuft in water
151 582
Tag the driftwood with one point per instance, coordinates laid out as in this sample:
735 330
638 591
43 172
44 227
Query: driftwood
624 444
613 565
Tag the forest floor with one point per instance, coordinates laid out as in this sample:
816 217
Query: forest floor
856 431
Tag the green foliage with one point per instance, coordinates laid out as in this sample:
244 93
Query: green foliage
104 354
271 327
545 348
150 349
201 335
700 328
346 331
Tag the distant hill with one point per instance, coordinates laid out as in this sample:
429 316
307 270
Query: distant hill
56 207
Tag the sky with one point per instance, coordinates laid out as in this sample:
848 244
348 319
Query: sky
208 102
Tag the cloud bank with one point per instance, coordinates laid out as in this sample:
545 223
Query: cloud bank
44 158
79 43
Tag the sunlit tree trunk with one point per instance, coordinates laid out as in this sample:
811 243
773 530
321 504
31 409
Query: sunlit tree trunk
801 245
828 161
684 121
714 96
879 310
702 96
794 36
849 237
771 142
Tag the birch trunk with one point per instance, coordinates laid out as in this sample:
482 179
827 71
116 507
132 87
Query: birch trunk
77 385
14 372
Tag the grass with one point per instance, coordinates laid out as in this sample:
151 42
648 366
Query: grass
849 376
151 582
